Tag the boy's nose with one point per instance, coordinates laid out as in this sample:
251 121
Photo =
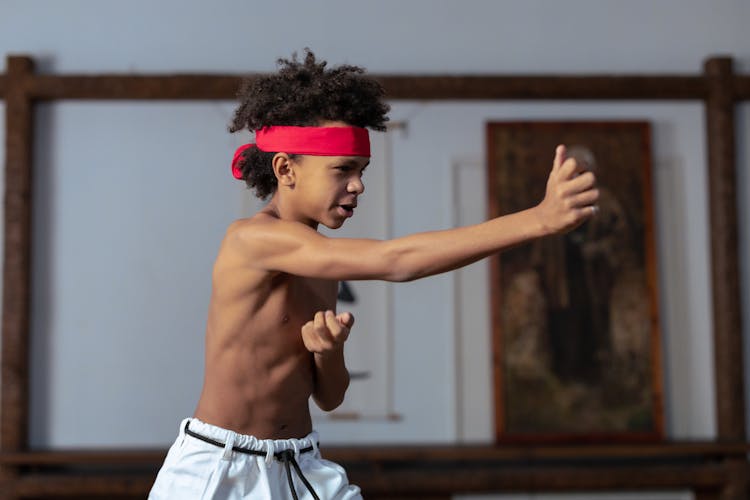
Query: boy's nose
356 186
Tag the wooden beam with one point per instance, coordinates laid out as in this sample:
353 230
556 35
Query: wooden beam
420 471
742 88
83 486
725 276
17 263
418 480
544 87
438 87
400 454
14 365
458 87
168 87
467 87
483 479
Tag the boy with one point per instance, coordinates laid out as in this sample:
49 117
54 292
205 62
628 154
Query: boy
273 338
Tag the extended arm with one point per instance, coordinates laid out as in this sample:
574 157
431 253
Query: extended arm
297 249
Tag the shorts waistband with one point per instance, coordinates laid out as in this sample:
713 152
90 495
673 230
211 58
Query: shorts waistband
261 447
216 435
289 449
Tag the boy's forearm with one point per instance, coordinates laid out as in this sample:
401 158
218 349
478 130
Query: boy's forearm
426 254
331 379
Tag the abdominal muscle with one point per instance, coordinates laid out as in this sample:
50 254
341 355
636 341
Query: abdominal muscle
255 399
259 376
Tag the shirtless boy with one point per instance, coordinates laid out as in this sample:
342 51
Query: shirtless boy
273 337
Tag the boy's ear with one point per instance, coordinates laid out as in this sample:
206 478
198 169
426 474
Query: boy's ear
283 168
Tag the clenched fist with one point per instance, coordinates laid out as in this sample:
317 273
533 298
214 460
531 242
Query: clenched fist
326 332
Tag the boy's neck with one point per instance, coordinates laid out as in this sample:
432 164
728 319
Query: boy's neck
281 208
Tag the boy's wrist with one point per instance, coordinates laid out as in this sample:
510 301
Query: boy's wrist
538 226
330 354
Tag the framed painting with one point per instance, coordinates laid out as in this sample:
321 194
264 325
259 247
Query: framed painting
575 317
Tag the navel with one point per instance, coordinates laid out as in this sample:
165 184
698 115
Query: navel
285 319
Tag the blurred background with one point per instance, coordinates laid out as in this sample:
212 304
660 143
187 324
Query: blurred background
131 199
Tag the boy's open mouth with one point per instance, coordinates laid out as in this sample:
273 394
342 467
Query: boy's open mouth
347 210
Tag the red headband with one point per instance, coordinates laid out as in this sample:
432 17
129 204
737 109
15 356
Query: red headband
315 141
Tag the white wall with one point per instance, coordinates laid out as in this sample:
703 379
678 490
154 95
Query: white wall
420 36
743 207
131 202
535 36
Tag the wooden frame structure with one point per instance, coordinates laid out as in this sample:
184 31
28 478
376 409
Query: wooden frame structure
717 469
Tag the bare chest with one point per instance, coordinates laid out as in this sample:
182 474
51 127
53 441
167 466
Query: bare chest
303 297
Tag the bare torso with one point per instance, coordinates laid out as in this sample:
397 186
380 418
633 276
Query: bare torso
258 375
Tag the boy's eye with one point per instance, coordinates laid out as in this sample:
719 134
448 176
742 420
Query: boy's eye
346 169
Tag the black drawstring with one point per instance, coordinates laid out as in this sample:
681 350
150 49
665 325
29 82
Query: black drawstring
286 456
285 459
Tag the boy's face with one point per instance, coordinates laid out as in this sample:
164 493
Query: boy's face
327 187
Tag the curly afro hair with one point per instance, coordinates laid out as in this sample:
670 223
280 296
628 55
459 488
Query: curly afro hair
303 94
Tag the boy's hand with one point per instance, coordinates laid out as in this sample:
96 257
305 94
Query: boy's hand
571 196
327 331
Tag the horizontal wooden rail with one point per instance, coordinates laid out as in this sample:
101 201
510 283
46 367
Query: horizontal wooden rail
692 450
442 87
544 87
415 482
411 471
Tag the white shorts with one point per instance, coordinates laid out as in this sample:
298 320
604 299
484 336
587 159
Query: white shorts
208 462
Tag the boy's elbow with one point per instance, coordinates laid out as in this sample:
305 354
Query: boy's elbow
403 270
402 275
332 400
397 266
330 403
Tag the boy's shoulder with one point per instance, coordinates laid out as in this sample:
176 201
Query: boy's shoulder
264 230
266 243
259 219
248 229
